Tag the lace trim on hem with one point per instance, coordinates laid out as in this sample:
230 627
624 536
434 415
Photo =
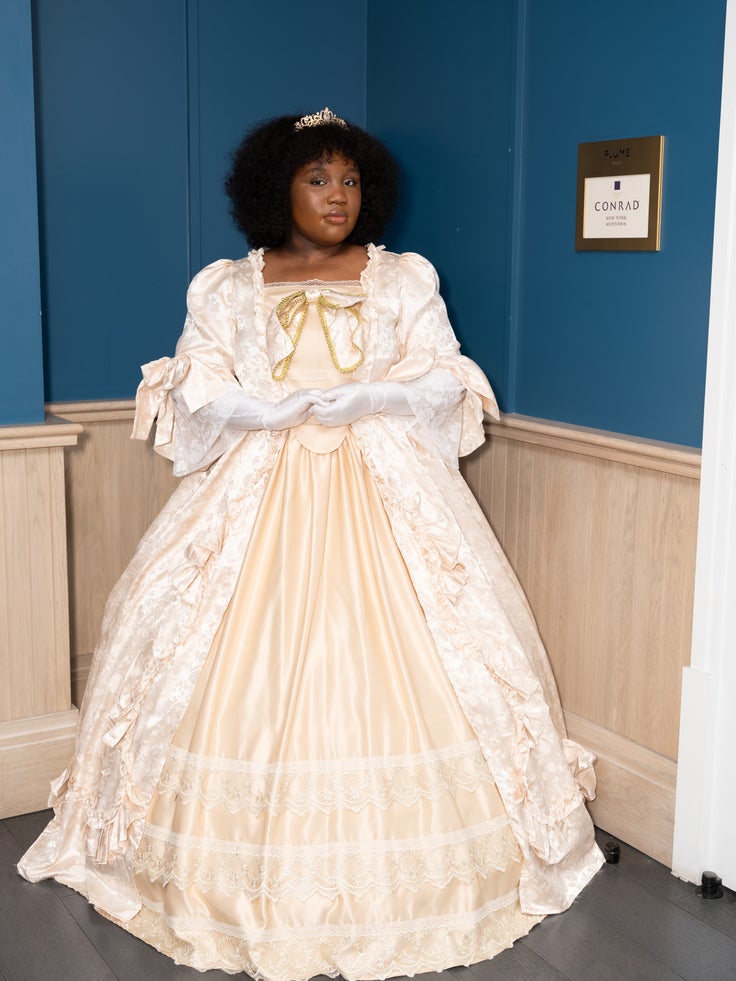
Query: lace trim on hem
328 849
338 931
324 785
349 764
366 951
303 871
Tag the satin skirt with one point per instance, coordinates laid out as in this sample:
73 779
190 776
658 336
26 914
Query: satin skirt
325 807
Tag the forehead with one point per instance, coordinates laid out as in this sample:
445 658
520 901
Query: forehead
329 161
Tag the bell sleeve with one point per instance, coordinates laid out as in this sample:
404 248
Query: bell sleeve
185 395
448 393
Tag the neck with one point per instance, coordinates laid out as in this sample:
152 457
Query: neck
296 260
310 253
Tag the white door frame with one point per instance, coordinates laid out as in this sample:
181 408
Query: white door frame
706 779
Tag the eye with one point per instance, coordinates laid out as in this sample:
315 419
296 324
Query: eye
318 181
352 182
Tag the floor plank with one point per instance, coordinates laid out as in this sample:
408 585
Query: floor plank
460 973
27 827
647 872
717 913
519 963
689 947
39 940
586 947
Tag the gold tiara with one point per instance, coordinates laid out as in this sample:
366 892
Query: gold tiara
319 119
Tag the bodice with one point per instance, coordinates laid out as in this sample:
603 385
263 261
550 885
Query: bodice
322 321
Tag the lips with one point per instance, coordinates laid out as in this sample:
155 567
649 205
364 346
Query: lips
336 217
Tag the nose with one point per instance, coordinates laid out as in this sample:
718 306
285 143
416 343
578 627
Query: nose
337 193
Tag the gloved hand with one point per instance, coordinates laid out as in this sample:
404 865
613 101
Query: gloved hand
345 404
253 413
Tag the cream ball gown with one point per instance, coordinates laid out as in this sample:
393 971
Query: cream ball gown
320 735
325 805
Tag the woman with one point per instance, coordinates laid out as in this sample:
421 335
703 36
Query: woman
320 735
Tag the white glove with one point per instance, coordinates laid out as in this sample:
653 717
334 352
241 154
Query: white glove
345 404
253 413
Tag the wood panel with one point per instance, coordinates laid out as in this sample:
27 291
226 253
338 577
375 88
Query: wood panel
601 531
604 545
36 718
115 487
34 617
648 453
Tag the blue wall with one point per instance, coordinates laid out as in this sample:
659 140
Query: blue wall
617 340
139 105
252 61
483 103
112 124
441 94
21 365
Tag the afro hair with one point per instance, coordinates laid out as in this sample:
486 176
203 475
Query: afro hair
264 165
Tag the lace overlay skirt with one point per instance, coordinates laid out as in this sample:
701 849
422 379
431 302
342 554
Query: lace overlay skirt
325 808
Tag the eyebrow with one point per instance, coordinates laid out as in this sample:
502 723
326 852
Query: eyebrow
320 168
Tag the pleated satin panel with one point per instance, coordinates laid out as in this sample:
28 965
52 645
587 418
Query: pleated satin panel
325 807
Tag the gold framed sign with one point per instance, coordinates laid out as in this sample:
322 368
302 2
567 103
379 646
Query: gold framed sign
619 195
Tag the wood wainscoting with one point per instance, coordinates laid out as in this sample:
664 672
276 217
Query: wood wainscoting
37 719
115 487
601 530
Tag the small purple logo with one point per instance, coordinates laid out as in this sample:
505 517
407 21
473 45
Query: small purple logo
617 185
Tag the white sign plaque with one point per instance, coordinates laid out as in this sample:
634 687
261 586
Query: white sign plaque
616 206
618 195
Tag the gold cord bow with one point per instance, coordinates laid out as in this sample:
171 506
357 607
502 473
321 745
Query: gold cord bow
291 313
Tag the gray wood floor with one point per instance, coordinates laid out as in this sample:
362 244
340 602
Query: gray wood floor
634 920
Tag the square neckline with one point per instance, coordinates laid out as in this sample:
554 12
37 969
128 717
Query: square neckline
307 283
371 249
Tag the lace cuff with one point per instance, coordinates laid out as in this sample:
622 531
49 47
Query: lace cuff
429 347
448 404
479 401
436 400
202 436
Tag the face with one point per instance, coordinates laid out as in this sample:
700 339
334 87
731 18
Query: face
325 201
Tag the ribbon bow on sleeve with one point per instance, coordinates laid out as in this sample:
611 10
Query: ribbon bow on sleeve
153 402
